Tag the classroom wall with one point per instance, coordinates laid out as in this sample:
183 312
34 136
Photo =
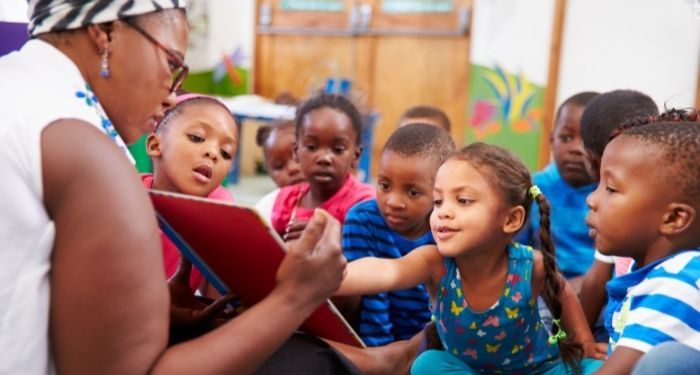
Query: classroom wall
652 46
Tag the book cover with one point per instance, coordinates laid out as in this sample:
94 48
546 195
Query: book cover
237 252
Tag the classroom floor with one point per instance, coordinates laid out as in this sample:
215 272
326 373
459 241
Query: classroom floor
250 189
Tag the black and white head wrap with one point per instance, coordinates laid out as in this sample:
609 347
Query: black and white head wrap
57 15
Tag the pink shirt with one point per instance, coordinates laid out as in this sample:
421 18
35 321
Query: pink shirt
286 205
171 255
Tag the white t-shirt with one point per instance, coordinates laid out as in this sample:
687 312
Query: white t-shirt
266 204
39 86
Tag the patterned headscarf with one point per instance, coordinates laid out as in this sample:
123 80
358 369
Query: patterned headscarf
57 15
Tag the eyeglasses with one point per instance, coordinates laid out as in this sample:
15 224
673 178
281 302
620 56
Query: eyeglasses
178 68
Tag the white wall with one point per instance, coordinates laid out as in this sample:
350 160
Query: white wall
652 46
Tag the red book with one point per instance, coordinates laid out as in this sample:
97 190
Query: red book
238 253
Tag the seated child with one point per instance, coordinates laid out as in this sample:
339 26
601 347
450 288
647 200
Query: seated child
484 287
425 115
328 136
646 207
277 142
566 184
396 223
192 149
601 117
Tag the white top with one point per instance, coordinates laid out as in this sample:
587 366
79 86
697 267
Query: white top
39 85
266 204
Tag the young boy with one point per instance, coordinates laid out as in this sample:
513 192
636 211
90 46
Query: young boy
396 223
566 184
646 208
601 117
423 114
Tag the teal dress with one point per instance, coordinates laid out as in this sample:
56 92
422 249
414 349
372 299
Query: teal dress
509 337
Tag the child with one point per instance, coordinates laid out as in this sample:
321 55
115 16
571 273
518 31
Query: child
484 286
601 117
396 223
328 129
192 149
566 184
646 207
277 142
426 115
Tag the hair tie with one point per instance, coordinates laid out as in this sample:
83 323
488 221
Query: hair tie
534 191
559 336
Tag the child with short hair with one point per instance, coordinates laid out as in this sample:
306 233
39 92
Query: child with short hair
277 142
192 149
426 115
484 286
566 184
646 207
328 142
396 223
601 117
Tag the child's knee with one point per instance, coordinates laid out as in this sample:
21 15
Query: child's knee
438 362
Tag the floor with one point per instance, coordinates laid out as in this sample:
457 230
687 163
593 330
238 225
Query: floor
250 189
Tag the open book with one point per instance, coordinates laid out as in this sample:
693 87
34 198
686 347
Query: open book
237 252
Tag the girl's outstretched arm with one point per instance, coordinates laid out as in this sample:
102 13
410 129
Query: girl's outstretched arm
573 319
375 275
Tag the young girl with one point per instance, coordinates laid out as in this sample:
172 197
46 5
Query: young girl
192 149
277 142
328 129
484 286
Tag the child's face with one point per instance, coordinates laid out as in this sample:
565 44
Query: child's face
468 213
326 148
195 152
279 157
626 209
404 192
567 146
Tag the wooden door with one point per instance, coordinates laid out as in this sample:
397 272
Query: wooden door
397 53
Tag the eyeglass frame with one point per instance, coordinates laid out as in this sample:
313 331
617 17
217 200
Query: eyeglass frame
180 78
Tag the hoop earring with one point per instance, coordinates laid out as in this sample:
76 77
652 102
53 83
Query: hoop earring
104 71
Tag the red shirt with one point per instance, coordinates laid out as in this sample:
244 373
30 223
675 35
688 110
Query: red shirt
287 202
171 255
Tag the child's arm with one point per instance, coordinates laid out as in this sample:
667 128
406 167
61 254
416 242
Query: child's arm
376 275
572 317
593 290
622 361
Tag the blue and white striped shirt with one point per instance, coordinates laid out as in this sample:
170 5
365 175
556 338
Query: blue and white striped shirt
384 317
656 303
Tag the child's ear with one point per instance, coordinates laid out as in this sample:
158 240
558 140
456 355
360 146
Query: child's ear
153 146
358 152
514 220
677 219
294 151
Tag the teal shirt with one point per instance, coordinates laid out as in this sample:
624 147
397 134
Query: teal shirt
507 337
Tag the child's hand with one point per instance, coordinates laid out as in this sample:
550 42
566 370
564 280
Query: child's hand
314 265
189 311
596 350
294 230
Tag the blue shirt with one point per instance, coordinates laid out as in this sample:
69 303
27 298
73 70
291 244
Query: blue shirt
574 246
385 317
656 303
507 337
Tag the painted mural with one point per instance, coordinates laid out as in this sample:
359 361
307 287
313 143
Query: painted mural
505 109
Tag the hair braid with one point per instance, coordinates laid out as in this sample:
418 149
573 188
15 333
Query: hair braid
571 352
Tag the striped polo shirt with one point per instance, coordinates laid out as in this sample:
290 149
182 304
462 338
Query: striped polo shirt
384 317
656 303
